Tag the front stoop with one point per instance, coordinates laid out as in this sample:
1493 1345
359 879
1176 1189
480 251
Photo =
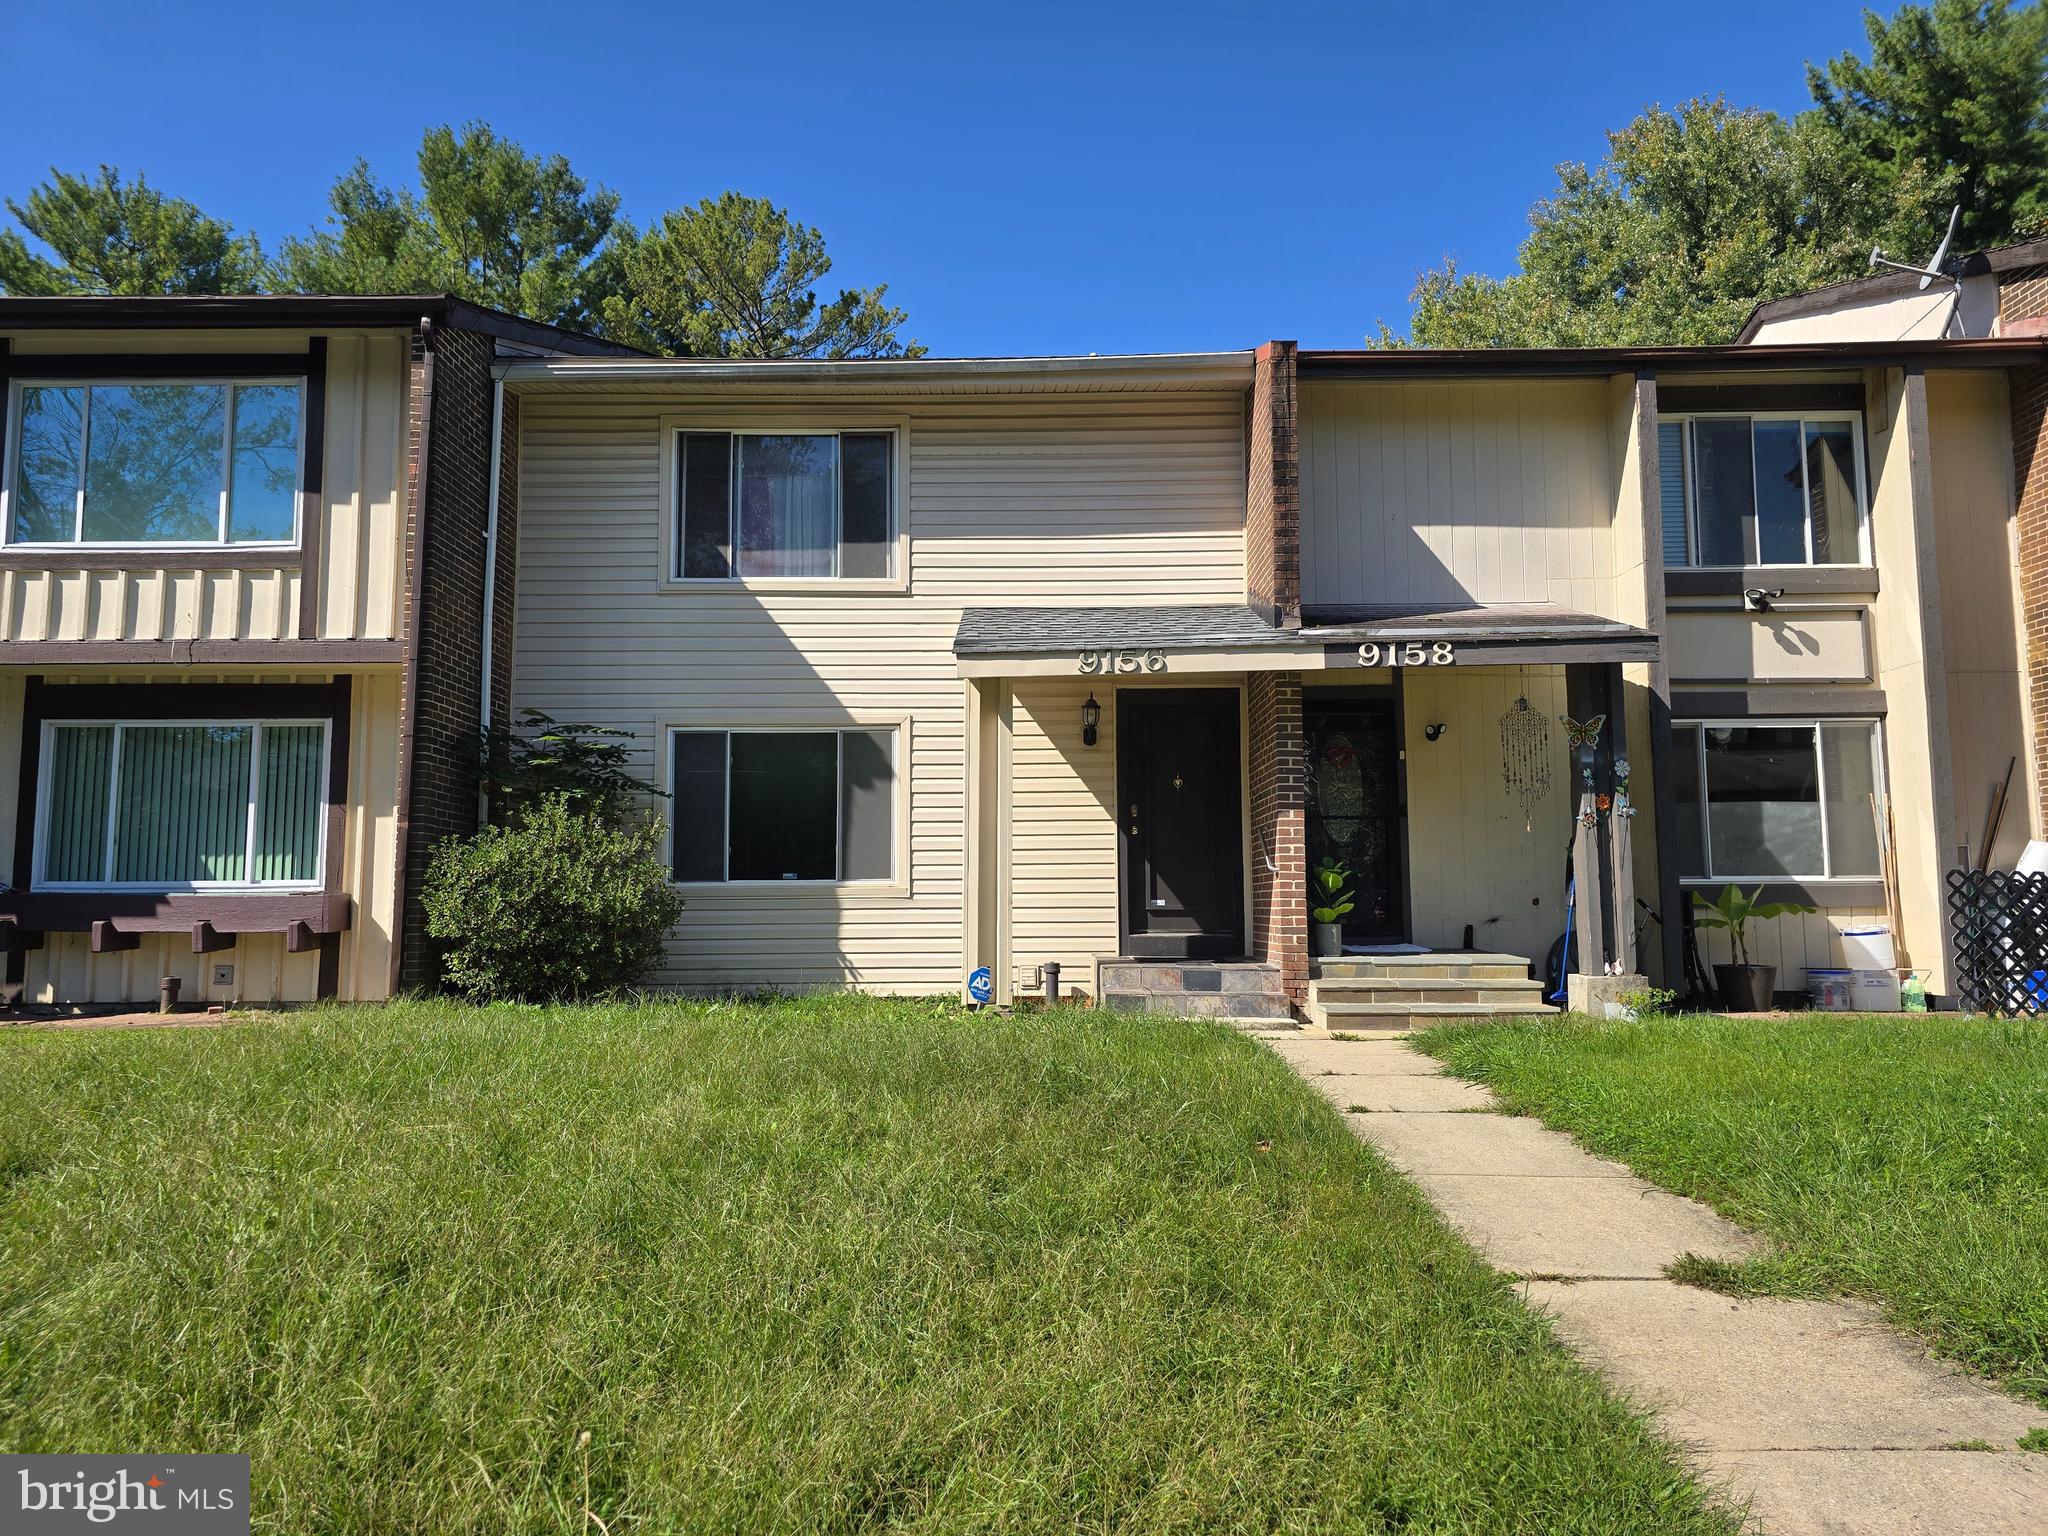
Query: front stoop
1391 994
1242 991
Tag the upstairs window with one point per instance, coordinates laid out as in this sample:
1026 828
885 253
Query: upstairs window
154 463
1762 490
784 505
162 806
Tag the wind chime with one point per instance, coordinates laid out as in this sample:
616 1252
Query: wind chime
1525 759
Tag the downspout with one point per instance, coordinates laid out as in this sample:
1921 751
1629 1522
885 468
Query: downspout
483 711
410 687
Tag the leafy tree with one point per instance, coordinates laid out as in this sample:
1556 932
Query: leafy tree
491 223
115 237
1696 216
1960 89
736 277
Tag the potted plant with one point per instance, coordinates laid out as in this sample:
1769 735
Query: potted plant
1330 898
1744 988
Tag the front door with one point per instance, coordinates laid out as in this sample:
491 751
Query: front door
1181 813
1355 807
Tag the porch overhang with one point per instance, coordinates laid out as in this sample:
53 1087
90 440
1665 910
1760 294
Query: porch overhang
1204 638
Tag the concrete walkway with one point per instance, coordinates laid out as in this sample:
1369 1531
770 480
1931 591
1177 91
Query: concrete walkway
1826 1421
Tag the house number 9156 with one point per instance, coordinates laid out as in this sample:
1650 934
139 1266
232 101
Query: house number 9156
1101 663
1411 654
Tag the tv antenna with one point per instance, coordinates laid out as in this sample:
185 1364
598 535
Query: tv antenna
1932 270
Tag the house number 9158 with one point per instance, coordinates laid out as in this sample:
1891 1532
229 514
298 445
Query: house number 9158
1411 654
1101 663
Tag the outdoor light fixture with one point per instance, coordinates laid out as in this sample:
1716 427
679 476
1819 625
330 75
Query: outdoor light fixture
1433 730
1091 717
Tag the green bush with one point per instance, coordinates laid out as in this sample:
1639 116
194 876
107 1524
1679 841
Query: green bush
560 904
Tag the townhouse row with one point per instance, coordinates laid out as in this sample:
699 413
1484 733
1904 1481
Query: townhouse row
1002 663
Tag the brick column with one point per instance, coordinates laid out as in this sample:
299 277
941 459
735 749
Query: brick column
1279 851
1272 512
2023 310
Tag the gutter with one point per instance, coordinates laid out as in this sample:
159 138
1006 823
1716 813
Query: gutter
410 689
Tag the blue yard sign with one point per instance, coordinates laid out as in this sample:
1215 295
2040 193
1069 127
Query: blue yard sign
981 986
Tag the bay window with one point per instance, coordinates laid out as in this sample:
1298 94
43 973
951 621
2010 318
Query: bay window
164 805
1762 490
154 462
780 805
768 505
1777 799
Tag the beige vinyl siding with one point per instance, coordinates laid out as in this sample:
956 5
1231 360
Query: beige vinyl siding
1062 865
1485 491
361 550
1067 501
1472 856
66 973
1977 541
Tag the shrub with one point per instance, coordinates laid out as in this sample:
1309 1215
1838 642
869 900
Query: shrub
559 904
523 764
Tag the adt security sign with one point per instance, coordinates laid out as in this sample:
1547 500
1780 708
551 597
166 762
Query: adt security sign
981 986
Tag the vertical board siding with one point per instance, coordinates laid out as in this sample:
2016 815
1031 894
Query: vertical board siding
65 972
1472 856
1794 944
1047 500
1459 492
1977 545
358 559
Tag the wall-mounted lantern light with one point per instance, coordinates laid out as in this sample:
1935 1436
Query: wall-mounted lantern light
1091 717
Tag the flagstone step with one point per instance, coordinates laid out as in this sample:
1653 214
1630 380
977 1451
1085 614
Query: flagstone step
1475 965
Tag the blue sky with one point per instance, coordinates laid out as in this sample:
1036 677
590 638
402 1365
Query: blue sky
1032 178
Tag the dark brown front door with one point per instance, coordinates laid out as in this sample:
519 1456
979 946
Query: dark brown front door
1181 815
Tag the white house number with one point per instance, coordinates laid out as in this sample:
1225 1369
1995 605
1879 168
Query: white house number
1102 663
1412 653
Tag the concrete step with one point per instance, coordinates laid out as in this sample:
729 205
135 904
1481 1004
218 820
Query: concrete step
1362 1017
1497 991
1271 1006
1474 966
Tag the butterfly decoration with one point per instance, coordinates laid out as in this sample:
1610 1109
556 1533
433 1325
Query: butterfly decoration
1583 735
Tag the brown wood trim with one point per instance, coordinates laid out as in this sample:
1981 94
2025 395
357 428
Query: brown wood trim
1675 399
177 701
1827 893
312 477
133 912
86 557
187 653
337 825
1854 580
29 772
1778 702
155 365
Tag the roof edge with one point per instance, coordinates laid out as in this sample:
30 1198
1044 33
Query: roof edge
1233 367
1586 361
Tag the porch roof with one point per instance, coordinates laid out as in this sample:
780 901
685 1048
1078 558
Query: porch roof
1231 637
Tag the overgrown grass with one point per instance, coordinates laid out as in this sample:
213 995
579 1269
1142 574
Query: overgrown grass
1900 1157
839 1265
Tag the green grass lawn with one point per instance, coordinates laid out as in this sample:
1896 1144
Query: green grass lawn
837 1265
1900 1157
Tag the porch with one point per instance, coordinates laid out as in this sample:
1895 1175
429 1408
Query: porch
1151 787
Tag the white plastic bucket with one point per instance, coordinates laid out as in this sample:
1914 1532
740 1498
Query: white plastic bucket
1874 991
1868 949
1829 991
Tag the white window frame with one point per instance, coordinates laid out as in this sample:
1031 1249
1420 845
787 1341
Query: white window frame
255 726
227 455
897 428
1811 724
896 883
1692 533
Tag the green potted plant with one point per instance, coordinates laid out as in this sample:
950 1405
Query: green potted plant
1744 988
1330 897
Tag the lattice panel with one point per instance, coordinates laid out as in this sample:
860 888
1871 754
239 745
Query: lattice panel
2000 925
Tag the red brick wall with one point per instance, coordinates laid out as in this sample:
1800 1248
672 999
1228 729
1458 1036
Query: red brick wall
2023 295
443 706
1272 523
1279 831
